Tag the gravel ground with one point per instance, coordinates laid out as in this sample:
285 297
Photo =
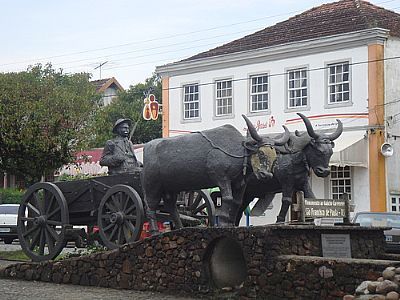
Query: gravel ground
12 289
32 290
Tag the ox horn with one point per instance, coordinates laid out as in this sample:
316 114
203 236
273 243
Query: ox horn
283 140
309 127
337 133
253 132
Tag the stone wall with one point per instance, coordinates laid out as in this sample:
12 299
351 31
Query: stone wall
276 261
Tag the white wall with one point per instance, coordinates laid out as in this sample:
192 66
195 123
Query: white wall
269 216
317 186
317 89
360 196
277 95
108 95
392 113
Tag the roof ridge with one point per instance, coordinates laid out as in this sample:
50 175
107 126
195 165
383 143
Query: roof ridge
357 4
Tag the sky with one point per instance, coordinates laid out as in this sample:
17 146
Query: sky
130 38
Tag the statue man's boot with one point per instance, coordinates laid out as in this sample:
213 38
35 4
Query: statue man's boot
284 209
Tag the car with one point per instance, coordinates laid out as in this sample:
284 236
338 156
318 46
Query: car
8 222
383 219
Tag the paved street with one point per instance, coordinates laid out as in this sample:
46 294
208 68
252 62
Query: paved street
23 290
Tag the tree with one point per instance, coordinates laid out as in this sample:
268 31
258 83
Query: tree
129 104
42 113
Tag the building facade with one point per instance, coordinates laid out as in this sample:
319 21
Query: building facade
336 61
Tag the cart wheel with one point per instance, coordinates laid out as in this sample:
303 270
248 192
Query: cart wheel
198 204
120 217
42 221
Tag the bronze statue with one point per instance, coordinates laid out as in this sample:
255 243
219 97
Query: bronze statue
291 170
205 159
118 154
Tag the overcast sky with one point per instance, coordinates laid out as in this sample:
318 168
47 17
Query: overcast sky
132 37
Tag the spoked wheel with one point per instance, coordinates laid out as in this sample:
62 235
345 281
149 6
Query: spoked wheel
42 221
120 217
198 204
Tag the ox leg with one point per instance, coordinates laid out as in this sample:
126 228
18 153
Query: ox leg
170 207
286 201
245 203
152 218
151 206
224 218
236 207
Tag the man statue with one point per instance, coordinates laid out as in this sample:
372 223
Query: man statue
118 154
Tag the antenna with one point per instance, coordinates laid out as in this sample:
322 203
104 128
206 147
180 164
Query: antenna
99 67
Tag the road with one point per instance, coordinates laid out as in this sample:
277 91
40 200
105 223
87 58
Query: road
11 289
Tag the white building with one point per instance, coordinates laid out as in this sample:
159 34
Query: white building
337 61
108 88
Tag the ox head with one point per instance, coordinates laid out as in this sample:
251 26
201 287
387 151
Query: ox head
319 149
278 141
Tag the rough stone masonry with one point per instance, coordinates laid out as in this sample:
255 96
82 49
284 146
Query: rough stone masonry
265 262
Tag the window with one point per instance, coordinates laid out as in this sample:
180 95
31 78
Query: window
224 98
297 88
191 102
258 93
395 203
338 83
340 181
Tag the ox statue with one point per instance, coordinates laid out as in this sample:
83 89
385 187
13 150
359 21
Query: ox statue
210 158
291 171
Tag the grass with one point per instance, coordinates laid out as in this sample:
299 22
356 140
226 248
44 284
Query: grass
14 255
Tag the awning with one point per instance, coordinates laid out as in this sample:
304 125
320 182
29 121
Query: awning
351 149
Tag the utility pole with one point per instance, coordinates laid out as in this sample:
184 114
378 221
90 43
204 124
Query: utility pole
99 67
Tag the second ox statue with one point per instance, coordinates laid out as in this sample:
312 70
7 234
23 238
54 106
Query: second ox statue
291 172
210 158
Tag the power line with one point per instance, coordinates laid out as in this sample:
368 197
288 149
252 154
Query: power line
158 39
254 45
308 70
181 49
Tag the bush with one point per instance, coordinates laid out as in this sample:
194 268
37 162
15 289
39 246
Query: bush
80 176
11 196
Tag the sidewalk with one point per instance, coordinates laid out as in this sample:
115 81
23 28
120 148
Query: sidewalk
34 290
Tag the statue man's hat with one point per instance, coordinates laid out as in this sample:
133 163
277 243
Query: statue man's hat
119 122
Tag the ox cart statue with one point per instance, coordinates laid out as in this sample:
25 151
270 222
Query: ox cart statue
48 212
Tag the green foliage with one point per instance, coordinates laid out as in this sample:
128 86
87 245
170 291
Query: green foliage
11 196
90 249
42 113
129 104
17 255
80 176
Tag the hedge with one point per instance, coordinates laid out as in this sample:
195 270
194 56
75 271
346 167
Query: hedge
11 196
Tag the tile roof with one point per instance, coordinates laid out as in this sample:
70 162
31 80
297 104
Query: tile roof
102 84
328 19
99 83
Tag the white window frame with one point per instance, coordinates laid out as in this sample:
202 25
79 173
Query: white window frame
338 84
190 98
340 182
394 202
298 89
223 97
262 90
